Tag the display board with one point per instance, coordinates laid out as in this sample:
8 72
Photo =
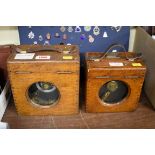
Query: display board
89 38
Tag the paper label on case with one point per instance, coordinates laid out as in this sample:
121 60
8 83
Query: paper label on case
136 64
116 64
43 57
23 52
68 57
23 56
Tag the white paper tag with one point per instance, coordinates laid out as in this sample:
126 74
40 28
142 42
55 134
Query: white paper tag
43 57
114 51
116 64
153 36
22 56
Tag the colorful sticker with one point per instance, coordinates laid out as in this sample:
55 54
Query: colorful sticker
136 64
116 28
48 36
77 29
105 35
57 35
67 57
70 29
40 38
64 36
91 39
82 37
96 31
31 35
62 28
43 57
87 28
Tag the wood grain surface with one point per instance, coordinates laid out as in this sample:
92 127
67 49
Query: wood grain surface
64 74
99 73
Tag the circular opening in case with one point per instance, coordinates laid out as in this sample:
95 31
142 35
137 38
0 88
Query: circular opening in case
43 93
113 92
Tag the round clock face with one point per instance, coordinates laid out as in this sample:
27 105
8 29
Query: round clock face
43 94
113 92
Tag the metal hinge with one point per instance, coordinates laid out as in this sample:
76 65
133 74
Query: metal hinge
23 72
126 77
64 72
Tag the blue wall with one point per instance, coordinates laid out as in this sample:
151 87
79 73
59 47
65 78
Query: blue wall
80 38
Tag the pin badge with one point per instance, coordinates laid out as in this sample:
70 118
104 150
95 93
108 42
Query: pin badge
35 42
82 37
62 29
70 29
31 35
77 29
48 36
57 35
96 31
116 28
87 28
64 36
91 39
46 42
40 38
105 35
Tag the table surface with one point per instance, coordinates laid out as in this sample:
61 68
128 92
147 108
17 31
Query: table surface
143 117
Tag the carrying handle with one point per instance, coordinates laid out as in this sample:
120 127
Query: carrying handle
38 49
124 50
110 48
51 49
